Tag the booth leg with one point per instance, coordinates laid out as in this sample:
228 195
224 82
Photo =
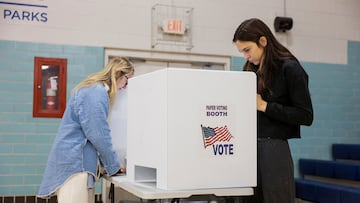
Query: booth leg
112 193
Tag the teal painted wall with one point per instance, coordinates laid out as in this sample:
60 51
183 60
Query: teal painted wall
335 92
26 141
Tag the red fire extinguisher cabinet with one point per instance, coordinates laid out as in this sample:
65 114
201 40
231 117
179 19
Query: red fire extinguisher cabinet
49 99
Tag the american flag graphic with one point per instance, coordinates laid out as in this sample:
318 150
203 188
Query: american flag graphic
217 134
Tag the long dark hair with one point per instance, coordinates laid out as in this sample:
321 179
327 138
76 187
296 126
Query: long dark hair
274 52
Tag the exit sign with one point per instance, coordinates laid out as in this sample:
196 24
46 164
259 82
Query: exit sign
174 26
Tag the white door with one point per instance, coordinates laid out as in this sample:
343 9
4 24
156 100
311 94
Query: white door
143 65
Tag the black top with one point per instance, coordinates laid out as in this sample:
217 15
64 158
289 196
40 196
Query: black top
289 103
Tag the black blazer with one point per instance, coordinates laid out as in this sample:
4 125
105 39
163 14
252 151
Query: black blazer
289 103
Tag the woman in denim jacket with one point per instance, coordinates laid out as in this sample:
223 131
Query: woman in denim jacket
83 139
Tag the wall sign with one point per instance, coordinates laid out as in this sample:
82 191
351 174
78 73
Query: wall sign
24 12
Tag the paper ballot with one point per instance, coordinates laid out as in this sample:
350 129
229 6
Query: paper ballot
118 125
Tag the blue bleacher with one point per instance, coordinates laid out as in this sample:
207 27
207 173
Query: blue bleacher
331 181
346 152
317 191
330 169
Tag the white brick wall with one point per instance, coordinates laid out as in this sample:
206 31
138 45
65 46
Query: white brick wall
320 32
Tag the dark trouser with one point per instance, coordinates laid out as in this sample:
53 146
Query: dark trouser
275 173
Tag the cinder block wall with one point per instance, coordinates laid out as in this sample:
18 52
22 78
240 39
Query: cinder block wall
335 92
26 141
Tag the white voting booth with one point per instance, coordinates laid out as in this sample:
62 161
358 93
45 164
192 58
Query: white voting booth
191 129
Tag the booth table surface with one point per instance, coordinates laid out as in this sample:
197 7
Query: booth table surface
149 191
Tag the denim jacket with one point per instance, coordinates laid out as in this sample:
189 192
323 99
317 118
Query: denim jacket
82 140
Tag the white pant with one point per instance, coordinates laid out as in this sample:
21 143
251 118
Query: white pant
75 190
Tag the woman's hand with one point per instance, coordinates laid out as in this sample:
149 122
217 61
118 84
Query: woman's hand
122 169
261 104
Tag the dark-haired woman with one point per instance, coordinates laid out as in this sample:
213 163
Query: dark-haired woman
283 104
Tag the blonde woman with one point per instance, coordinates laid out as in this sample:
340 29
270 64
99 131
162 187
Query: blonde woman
83 139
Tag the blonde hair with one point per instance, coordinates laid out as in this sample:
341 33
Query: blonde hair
117 67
